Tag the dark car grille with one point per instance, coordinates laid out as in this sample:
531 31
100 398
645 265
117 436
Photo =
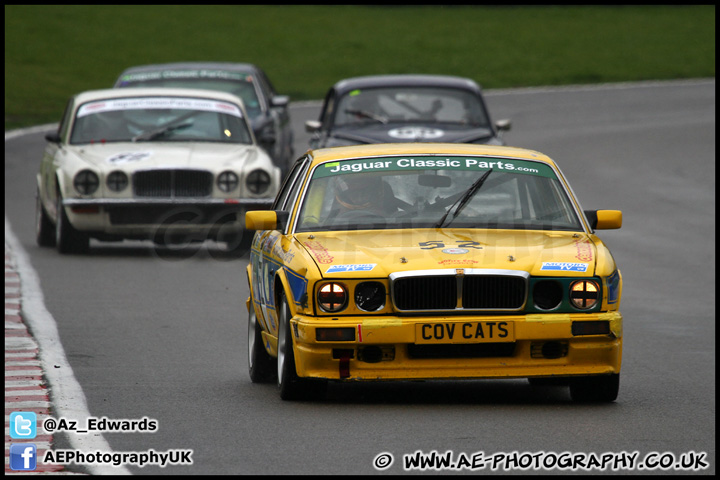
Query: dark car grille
172 183
493 292
478 292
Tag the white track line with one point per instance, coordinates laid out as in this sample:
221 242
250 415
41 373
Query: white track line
68 399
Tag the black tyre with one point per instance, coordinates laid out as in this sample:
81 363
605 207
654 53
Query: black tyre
260 364
599 388
67 238
291 386
44 228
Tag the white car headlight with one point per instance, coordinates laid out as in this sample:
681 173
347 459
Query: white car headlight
86 182
117 181
258 181
227 181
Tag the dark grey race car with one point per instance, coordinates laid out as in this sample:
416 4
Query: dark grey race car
267 111
404 108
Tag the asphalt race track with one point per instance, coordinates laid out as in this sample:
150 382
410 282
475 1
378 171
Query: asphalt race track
164 337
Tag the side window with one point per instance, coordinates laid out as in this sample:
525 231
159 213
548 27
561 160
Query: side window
288 184
328 111
297 185
266 84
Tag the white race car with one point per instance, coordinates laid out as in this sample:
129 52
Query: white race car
169 165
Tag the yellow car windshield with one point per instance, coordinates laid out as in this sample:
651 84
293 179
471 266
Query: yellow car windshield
391 192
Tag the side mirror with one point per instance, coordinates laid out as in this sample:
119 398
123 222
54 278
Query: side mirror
264 130
266 138
52 137
266 219
280 101
604 219
312 126
503 125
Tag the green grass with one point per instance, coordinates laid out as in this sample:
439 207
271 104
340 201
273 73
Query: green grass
54 51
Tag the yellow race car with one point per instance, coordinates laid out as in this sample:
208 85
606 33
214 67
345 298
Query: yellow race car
432 261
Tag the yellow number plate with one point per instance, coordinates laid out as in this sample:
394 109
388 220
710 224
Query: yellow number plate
466 332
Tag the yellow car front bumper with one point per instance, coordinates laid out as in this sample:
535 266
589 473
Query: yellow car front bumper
396 348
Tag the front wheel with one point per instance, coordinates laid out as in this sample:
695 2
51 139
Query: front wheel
291 386
67 238
600 388
260 364
44 228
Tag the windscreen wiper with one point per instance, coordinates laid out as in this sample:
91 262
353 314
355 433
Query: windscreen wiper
363 113
176 124
152 134
462 201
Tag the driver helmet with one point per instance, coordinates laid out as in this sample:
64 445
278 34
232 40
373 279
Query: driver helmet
359 192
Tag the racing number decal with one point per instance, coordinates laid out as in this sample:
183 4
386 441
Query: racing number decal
436 244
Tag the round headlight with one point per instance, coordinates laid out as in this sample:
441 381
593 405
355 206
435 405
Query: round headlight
332 297
547 294
584 294
117 181
258 181
370 296
86 182
227 181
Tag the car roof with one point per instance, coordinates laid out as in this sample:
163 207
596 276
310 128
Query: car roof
394 149
229 66
407 80
92 95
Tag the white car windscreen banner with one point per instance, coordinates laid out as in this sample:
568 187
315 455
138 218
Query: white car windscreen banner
146 103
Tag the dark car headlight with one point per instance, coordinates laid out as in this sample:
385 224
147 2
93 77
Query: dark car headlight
227 181
258 181
117 181
547 294
370 296
86 182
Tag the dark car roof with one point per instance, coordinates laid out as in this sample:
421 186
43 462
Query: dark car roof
419 80
230 66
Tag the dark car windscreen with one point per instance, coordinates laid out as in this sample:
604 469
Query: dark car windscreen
238 84
422 105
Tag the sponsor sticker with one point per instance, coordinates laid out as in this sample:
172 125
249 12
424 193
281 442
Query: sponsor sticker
357 267
526 167
128 157
565 266
420 133
144 103
184 74
455 251
319 252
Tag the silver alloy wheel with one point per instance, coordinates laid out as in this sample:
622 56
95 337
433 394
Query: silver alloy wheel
38 216
67 239
44 228
60 226
252 325
282 339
